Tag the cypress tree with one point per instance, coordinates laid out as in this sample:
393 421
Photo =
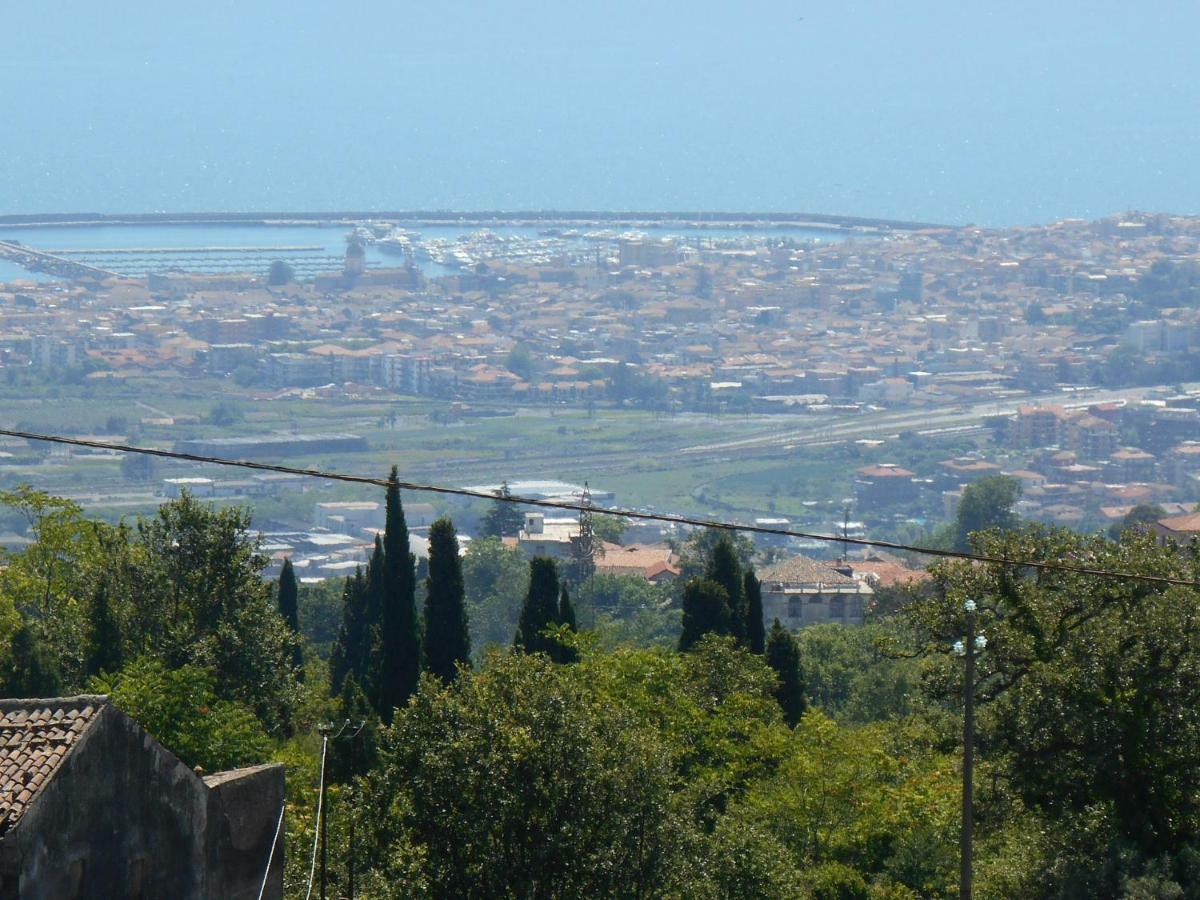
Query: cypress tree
447 640
724 568
31 671
566 616
104 635
705 609
540 608
373 599
399 636
289 608
349 761
756 631
783 655
350 651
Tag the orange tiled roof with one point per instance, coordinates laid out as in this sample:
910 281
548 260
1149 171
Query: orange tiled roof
35 737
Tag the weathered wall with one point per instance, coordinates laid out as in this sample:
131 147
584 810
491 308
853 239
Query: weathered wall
243 812
122 818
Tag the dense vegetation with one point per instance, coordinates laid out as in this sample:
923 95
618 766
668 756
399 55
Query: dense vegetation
528 737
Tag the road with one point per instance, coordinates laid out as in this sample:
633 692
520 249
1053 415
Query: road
861 426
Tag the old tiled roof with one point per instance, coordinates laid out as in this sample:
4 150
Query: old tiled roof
802 570
35 737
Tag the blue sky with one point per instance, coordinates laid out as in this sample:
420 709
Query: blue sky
992 113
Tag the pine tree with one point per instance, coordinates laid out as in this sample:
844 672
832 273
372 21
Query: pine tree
756 635
399 634
503 519
289 608
104 652
31 671
566 616
705 610
783 655
540 609
447 639
723 568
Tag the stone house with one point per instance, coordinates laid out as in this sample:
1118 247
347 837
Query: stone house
802 591
92 806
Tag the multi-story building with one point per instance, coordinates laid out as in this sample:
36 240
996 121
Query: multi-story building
802 591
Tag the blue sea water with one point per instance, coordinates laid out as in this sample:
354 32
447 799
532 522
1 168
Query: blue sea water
998 114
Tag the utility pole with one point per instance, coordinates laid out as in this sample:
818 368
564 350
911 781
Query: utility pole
324 731
967 648
353 804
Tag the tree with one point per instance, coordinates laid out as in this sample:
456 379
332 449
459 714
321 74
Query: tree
496 580
609 528
783 655
1141 518
182 709
447 638
755 626
138 467
566 618
225 413
987 503
196 595
349 761
105 652
725 569
540 611
400 641
520 781
520 361
504 518
1088 690
695 553
352 647
30 670
705 611
288 602
280 274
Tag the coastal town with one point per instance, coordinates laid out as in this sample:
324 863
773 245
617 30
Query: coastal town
911 362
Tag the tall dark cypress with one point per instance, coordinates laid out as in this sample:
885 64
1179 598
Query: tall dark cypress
350 651
756 628
399 636
724 568
566 616
104 651
349 759
705 610
540 609
289 608
783 655
373 600
447 639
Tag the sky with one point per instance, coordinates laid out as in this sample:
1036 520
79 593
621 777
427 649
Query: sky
997 114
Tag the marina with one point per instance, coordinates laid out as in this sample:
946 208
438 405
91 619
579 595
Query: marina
67 248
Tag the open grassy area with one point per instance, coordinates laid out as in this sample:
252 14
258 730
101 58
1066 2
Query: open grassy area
633 453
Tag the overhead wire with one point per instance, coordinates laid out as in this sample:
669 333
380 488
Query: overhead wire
568 506
312 871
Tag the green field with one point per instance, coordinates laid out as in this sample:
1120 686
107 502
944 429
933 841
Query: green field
635 454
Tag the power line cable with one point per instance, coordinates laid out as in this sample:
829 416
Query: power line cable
312 870
274 843
670 518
